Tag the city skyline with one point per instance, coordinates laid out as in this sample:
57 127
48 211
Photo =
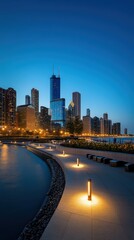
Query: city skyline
58 116
90 45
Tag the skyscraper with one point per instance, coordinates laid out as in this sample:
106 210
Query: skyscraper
105 116
35 104
58 111
70 111
125 131
2 107
76 98
57 104
27 99
35 100
54 87
116 128
10 107
105 125
87 124
95 125
26 117
88 112
44 118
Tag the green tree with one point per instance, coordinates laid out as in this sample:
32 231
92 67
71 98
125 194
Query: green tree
74 126
70 126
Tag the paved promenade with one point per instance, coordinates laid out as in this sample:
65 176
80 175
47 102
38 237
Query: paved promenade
110 214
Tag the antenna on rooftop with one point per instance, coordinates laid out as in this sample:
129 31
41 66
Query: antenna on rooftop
58 71
53 69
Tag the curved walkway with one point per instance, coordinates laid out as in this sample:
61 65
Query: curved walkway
110 213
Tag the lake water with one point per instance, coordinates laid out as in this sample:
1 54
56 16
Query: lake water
120 140
24 182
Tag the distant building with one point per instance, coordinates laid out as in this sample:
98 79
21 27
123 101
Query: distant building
35 100
35 104
88 112
27 99
8 107
44 118
95 125
125 131
2 107
76 98
87 124
26 117
105 116
11 108
105 125
116 128
70 112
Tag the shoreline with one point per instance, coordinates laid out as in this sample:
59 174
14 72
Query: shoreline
34 229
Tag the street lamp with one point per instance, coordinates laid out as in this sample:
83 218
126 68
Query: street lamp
89 191
78 162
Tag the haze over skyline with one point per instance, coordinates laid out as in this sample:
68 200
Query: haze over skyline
91 42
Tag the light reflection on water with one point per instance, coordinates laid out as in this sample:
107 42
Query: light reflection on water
3 153
24 180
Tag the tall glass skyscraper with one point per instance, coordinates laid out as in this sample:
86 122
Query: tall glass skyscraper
58 111
57 104
54 87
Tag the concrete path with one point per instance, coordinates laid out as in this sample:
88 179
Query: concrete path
110 214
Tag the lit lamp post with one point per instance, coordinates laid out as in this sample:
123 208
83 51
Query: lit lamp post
78 162
89 191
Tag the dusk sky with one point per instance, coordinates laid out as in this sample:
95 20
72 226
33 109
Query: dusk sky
91 43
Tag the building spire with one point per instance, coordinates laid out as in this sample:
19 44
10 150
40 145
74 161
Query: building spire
53 69
59 72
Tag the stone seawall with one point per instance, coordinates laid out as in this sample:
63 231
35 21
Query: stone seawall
36 227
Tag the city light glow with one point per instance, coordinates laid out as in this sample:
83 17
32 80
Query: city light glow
63 155
95 200
50 149
77 167
82 200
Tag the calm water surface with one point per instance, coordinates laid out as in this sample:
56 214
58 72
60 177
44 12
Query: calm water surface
120 140
24 181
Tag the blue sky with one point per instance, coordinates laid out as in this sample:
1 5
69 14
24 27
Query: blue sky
91 42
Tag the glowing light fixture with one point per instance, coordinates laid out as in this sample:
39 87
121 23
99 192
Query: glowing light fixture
78 162
89 191
63 153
